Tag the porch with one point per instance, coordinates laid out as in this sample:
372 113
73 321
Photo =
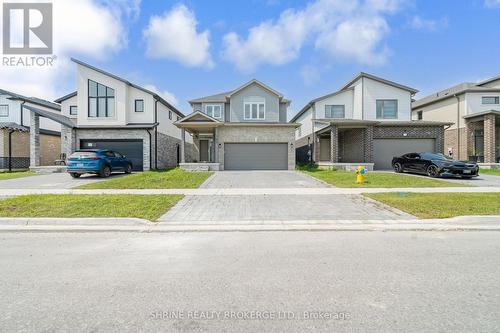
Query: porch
483 138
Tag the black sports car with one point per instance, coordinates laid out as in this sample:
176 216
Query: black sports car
434 165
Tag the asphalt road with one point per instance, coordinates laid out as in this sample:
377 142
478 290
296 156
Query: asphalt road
347 281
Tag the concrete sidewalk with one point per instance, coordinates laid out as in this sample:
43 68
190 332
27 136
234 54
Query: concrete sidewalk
463 223
253 191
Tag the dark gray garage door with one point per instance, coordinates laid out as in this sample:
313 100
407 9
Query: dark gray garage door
255 156
130 148
385 149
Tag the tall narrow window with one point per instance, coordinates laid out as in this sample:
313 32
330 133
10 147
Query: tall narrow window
101 100
420 115
73 110
4 110
387 109
139 105
334 111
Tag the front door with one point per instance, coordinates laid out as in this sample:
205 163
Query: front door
203 150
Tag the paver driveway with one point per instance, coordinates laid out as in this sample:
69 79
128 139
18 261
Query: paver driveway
261 179
248 208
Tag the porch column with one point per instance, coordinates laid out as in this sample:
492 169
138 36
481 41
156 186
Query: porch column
334 143
34 139
216 145
68 140
183 145
489 138
368 144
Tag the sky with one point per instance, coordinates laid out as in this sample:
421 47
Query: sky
303 49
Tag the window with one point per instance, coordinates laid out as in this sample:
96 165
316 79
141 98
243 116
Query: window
214 111
169 114
178 118
255 111
73 110
420 115
490 100
4 110
334 111
101 100
139 105
387 109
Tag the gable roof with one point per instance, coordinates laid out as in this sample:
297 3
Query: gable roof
458 89
308 105
222 97
489 80
379 79
198 115
33 100
65 97
155 95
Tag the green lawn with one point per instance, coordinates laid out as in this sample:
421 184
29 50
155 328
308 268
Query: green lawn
171 178
495 172
15 174
376 179
442 205
149 207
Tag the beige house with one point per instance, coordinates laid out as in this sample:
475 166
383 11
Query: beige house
474 108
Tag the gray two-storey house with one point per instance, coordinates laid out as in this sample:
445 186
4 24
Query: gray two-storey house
242 129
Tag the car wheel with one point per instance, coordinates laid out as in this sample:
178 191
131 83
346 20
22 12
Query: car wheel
75 175
128 168
432 171
105 172
398 168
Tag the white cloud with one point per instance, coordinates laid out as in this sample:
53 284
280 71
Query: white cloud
353 30
492 3
174 36
82 28
167 95
420 23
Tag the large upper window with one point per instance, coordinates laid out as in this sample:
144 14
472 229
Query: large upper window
387 109
255 110
490 100
214 111
73 110
101 100
4 110
334 111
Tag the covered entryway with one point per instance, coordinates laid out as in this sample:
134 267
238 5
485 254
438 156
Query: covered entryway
255 156
132 148
385 149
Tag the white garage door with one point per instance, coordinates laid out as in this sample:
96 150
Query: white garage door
255 156
385 149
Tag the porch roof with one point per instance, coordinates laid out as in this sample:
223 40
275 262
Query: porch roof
483 113
14 127
57 117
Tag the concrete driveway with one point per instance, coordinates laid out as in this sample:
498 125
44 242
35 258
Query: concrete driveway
51 181
261 179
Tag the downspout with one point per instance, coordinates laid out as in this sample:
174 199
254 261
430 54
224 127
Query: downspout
156 134
10 150
150 150
313 120
458 125
22 109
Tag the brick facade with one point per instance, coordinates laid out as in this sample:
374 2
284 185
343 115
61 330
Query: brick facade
489 138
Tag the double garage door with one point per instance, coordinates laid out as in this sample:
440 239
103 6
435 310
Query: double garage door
255 156
385 149
131 148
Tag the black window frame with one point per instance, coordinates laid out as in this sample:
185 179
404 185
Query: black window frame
98 97
8 110
135 105
420 115
71 107
170 114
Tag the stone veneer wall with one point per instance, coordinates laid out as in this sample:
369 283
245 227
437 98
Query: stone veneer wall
256 134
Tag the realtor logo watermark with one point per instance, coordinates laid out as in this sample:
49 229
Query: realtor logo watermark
27 30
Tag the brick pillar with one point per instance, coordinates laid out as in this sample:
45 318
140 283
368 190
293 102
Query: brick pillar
489 138
34 139
68 140
368 144
183 145
334 144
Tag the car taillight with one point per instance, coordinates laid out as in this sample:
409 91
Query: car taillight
94 158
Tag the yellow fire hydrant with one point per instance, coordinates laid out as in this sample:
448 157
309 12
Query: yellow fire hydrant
360 174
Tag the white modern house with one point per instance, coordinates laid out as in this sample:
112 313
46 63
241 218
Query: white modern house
366 122
15 125
109 112
475 110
